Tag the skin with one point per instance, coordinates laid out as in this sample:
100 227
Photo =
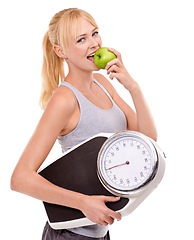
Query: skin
62 114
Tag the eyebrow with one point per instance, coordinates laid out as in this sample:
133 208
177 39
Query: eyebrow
84 34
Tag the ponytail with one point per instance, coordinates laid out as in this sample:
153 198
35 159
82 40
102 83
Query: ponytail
62 29
52 71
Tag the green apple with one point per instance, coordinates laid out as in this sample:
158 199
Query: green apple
102 56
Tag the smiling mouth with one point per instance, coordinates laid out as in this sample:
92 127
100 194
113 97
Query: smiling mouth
91 58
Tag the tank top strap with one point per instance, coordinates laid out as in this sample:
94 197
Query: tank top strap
92 120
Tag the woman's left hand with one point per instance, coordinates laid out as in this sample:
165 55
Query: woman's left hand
116 69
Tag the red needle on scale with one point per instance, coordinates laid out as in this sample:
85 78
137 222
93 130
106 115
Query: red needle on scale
118 165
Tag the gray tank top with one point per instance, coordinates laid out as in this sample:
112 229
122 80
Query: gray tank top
93 120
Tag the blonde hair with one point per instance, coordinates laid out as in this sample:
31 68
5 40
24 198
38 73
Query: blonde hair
62 30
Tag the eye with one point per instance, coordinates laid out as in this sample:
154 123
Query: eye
80 40
95 33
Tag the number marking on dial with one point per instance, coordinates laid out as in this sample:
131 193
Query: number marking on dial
127 163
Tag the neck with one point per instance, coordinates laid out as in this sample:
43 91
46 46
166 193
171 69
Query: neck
80 80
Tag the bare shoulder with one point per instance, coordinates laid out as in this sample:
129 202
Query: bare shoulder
61 112
62 99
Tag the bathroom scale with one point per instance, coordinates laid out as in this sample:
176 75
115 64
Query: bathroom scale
127 164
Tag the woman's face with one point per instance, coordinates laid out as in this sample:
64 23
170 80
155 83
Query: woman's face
81 51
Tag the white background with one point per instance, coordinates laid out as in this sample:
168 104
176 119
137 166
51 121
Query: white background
157 45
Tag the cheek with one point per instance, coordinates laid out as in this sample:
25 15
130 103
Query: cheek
72 53
79 50
100 41
76 56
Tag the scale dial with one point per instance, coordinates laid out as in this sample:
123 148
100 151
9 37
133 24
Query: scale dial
126 162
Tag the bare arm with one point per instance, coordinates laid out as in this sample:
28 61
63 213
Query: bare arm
25 178
141 120
57 117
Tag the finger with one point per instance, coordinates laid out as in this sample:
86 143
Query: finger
111 76
116 53
116 215
111 199
114 62
110 220
114 75
112 214
113 69
106 220
102 222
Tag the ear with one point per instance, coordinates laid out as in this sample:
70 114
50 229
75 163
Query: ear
58 51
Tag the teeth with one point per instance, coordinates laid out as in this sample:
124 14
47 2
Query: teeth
90 56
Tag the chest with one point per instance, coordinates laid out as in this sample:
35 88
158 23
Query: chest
98 98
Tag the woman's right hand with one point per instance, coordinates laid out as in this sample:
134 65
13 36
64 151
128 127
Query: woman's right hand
95 209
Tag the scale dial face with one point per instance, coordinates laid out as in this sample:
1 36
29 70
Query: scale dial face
126 162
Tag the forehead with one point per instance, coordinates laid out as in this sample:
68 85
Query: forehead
83 27
75 28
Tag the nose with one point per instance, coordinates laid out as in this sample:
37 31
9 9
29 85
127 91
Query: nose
93 43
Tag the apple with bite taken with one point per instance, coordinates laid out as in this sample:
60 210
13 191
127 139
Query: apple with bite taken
102 56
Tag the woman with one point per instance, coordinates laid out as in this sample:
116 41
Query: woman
77 106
